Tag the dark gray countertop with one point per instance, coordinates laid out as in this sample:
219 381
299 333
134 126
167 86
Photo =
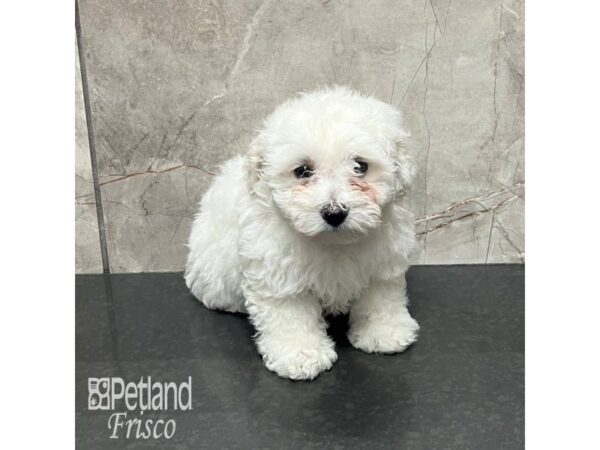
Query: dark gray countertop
461 386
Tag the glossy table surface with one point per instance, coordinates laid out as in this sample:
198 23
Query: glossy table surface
461 386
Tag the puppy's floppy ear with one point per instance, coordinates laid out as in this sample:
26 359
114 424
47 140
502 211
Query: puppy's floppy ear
405 169
254 163
399 136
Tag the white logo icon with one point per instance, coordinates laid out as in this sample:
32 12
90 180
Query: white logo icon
98 393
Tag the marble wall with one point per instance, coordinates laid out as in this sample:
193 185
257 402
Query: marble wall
177 87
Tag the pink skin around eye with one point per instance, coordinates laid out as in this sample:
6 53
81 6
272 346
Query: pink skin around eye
361 185
302 183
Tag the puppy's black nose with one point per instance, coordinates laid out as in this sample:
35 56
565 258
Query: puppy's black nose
334 217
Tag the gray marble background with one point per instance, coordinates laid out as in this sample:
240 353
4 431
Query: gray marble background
177 87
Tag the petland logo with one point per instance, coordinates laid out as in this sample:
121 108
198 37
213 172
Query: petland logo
114 394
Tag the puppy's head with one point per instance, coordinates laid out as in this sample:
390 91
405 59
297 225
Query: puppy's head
331 161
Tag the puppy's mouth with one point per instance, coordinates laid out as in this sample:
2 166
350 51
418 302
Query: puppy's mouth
340 235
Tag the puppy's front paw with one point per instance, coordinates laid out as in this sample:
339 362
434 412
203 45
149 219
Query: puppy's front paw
387 335
301 362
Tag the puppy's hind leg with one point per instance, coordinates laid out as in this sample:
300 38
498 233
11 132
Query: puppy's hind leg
380 321
213 270
213 273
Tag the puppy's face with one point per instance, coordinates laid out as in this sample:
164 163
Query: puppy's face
331 161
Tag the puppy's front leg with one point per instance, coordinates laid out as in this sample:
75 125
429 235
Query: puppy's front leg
380 321
292 335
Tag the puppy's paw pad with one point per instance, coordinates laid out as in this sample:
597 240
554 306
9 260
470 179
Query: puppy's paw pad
302 364
391 337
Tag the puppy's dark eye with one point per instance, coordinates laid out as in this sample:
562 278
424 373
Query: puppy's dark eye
303 171
360 167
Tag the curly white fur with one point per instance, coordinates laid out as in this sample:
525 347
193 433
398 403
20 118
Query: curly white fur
260 244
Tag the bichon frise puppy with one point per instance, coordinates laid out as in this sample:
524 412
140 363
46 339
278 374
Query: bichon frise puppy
309 222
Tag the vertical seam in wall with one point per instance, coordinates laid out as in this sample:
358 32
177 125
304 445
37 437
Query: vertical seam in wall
92 144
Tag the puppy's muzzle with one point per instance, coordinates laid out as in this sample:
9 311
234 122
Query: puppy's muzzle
334 215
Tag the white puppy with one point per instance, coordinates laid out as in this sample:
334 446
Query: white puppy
309 222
